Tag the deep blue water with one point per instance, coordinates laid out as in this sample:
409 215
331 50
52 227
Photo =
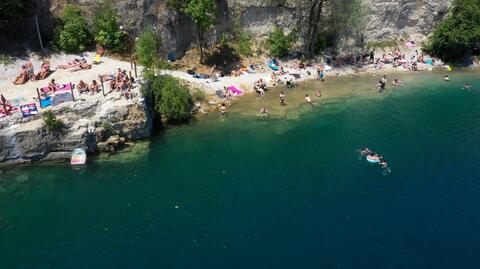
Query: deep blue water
244 192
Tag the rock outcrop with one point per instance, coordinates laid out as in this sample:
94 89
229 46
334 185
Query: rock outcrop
102 124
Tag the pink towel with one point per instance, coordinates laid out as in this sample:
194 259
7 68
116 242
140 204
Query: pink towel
59 88
235 90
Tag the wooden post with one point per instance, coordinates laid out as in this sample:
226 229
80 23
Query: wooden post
135 66
39 100
131 62
71 90
130 74
38 32
4 104
103 89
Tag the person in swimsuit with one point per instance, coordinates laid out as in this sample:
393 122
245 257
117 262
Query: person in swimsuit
366 151
308 100
94 87
264 111
282 99
82 87
223 109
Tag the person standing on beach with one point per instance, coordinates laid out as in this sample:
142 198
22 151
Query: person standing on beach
282 99
320 71
372 56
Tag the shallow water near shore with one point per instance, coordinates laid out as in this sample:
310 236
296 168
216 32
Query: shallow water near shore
288 191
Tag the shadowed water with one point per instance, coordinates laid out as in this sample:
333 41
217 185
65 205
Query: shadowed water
285 192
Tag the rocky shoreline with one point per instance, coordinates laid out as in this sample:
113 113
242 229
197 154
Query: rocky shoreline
97 125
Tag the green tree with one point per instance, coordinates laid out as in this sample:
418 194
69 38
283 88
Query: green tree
459 33
108 32
279 43
147 48
171 97
73 35
203 13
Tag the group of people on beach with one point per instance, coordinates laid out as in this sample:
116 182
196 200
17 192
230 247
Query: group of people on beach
27 72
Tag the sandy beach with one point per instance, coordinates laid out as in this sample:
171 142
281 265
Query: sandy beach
27 92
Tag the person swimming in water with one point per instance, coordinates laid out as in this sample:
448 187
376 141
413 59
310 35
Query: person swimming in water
380 86
383 163
318 93
308 100
397 82
467 87
366 151
446 78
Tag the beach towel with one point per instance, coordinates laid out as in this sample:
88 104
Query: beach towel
409 44
429 61
59 88
46 102
234 90
61 97
29 110
201 76
273 65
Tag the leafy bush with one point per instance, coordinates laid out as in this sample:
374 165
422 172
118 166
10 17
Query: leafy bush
146 48
391 43
279 43
107 126
199 95
51 122
107 28
459 33
73 35
172 98
243 43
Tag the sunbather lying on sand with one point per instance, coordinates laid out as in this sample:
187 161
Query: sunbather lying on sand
83 66
72 64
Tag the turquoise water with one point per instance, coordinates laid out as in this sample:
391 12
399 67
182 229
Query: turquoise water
285 192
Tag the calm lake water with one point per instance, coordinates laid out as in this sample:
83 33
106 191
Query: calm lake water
285 192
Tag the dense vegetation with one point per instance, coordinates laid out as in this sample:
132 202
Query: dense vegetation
459 33
171 97
280 44
108 32
147 47
73 34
